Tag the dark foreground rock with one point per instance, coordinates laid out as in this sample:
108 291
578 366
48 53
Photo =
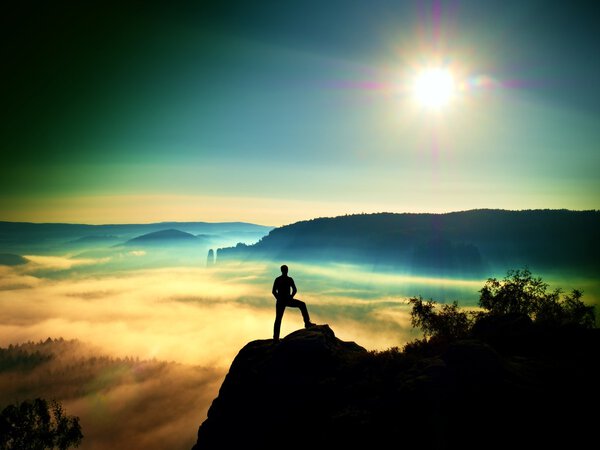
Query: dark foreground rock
312 390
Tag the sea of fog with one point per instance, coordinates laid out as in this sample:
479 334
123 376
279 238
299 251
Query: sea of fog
193 318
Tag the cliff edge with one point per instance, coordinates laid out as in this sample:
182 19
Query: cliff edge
313 391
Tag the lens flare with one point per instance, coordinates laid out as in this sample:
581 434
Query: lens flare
434 87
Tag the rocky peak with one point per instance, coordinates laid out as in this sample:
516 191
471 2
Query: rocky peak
313 391
273 387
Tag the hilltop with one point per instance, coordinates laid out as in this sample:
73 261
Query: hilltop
468 243
164 236
314 391
23 238
499 377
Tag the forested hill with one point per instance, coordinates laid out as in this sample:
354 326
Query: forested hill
459 243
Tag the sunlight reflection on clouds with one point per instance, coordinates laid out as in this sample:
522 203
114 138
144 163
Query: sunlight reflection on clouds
192 315
197 316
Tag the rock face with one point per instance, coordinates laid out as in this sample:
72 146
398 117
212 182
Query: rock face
273 393
210 259
312 390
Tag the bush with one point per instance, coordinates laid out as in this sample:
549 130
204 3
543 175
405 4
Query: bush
444 322
520 293
568 310
38 425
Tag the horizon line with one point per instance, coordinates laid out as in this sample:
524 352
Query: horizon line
302 220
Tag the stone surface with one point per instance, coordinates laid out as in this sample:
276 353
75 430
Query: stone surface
312 390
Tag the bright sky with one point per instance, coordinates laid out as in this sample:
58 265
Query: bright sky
276 111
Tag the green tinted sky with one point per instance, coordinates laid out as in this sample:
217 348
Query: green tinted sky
275 111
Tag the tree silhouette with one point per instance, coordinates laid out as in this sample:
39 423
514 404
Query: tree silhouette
447 321
519 294
38 425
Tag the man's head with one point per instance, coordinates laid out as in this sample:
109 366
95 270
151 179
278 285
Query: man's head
284 269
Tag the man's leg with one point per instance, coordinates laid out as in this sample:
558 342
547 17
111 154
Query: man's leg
300 304
279 310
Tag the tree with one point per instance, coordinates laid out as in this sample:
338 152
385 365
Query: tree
38 425
520 293
447 321
568 310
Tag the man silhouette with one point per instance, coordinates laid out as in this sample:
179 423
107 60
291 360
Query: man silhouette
284 290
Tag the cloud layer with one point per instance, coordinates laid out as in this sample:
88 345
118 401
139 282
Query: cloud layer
197 318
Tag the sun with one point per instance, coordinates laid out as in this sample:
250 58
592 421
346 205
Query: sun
433 88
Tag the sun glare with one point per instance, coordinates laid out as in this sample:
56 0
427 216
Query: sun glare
433 88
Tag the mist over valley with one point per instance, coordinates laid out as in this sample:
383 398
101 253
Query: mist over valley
142 315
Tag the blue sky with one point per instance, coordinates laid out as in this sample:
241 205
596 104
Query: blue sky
272 112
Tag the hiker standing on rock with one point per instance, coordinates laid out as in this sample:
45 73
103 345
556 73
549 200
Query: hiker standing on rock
284 290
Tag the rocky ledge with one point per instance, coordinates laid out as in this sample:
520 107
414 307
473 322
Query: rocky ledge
313 391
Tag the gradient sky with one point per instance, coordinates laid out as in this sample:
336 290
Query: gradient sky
276 111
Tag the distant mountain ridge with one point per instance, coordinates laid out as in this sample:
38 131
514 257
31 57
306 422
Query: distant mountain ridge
33 238
95 239
460 243
171 235
81 230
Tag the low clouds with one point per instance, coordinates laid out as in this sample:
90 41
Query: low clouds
60 262
138 313
196 318
122 403
197 315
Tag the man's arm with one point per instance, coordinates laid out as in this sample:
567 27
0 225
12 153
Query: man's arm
274 290
294 290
